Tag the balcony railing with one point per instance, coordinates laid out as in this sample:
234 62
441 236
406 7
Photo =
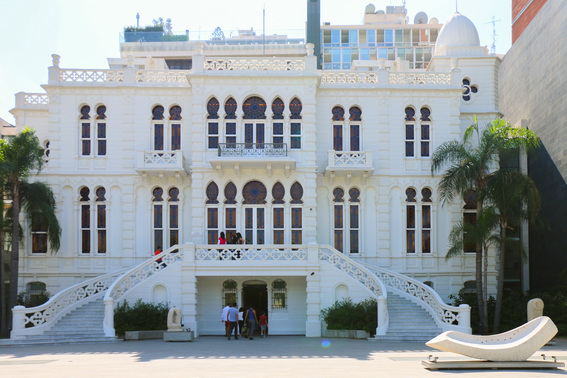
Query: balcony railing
252 149
160 162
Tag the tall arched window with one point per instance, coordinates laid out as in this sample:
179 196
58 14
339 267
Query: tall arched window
157 199
354 220
354 123
85 130
230 107
426 220
254 109
410 131
278 211
469 217
101 219
296 193
278 107
338 219
85 221
295 132
254 193
173 204
212 123
175 127
410 220
212 193
101 130
338 125
346 220
425 131
230 210
158 127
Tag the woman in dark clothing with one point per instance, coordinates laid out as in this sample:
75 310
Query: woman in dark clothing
251 319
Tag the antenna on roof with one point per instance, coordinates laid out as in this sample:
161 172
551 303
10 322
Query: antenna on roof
494 35
264 30
457 6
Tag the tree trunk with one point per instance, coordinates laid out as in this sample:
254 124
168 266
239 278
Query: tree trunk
485 288
500 282
15 253
3 307
479 286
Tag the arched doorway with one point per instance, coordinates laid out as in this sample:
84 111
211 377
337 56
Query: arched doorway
255 294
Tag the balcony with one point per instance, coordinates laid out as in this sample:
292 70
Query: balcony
160 163
349 164
239 156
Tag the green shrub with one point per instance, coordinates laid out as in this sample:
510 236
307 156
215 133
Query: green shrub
348 315
32 300
514 308
140 317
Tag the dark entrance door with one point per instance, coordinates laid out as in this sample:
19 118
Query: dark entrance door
255 294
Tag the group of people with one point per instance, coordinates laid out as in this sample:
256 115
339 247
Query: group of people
238 319
235 239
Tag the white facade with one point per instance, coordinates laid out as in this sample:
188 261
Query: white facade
360 183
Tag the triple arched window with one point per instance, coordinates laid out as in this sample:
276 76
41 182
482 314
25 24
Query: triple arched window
419 221
346 130
92 131
417 132
256 126
166 129
93 220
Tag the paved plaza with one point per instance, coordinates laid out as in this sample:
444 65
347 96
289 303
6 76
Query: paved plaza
214 356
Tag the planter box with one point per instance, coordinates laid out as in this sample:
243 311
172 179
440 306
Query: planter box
143 335
346 333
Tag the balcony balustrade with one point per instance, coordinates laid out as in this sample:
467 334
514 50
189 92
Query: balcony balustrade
159 163
349 164
253 155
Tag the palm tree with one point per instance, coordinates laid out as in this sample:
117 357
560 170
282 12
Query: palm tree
517 198
470 168
20 156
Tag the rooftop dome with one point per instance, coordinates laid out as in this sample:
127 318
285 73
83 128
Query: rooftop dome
458 31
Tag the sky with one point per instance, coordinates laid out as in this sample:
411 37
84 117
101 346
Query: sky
86 33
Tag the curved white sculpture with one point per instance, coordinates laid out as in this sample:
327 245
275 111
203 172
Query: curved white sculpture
174 320
516 345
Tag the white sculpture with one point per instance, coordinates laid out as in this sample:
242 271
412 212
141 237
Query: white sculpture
535 308
174 320
516 345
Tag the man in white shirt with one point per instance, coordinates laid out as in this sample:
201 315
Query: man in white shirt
232 318
224 319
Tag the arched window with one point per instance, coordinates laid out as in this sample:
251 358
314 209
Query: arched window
230 210
101 219
158 126
338 219
173 203
85 221
85 130
158 218
279 294
254 192
278 107
230 292
468 89
230 107
354 220
175 127
338 125
295 108
419 222
278 210
166 217
101 130
354 122
213 124
410 131
425 131
254 108
212 213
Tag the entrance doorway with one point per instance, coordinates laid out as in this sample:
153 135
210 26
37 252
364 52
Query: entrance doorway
255 294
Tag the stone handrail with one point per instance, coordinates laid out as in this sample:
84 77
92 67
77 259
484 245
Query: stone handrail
38 318
350 159
365 276
419 78
446 316
265 64
251 253
162 76
349 78
90 76
36 99
133 277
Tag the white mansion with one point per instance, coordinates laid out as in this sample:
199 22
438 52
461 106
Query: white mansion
325 173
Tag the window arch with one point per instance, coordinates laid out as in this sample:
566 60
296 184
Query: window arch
279 294
338 113
212 193
295 108
254 107
175 127
213 108
230 107
254 192
212 124
278 108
